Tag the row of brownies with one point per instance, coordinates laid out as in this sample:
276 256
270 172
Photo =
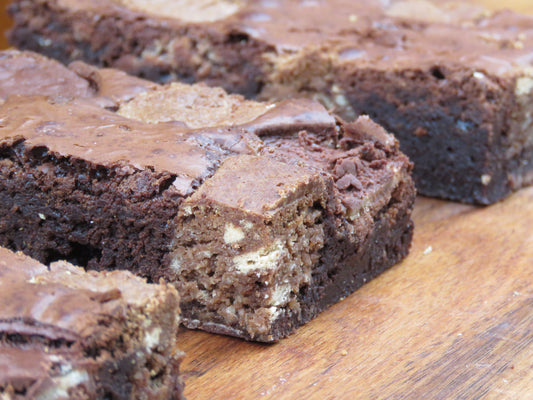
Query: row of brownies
260 208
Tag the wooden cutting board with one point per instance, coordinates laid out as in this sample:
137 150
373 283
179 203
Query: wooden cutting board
453 321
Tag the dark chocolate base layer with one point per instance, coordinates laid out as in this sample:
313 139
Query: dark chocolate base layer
96 217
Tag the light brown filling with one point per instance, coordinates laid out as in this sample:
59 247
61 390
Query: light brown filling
198 106
248 272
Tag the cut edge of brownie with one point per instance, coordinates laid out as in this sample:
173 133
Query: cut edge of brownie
332 265
241 257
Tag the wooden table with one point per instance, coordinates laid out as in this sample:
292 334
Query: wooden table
453 321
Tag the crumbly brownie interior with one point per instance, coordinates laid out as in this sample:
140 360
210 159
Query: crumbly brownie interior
321 207
100 215
67 333
242 255
444 79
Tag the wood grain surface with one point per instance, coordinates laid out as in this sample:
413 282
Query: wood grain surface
453 321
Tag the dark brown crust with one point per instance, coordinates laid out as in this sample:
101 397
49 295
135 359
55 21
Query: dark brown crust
455 127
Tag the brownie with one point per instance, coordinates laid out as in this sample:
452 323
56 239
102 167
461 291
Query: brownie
452 81
70 334
28 73
261 214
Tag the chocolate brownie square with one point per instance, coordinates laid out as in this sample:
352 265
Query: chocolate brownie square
261 214
70 334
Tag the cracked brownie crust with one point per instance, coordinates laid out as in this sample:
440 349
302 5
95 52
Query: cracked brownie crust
261 217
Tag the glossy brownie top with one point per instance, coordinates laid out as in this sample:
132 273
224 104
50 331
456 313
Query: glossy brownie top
188 131
64 303
27 73
378 34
